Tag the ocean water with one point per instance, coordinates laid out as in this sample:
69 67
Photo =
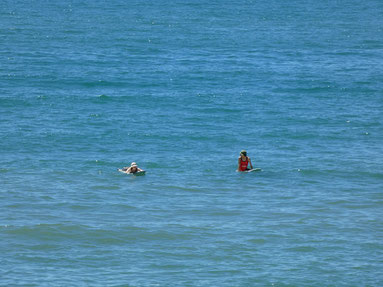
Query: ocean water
180 87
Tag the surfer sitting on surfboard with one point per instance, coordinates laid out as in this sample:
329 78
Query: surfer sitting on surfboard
132 169
244 161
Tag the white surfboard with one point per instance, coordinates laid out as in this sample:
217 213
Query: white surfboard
254 169
137 173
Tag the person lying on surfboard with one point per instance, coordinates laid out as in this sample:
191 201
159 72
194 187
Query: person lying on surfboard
244 161
132 169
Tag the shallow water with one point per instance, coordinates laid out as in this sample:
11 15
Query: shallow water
180 88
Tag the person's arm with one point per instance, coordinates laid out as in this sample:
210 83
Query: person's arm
138 169
251 165
128 170
239 164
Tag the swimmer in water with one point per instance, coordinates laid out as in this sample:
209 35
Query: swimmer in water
244 161
132 169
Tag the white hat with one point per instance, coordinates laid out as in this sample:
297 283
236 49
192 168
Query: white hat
133 164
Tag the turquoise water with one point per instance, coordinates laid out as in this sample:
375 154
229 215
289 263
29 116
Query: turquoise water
180 87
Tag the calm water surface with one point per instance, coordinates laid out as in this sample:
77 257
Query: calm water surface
180 87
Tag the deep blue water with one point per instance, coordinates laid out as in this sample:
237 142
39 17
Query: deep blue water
180 87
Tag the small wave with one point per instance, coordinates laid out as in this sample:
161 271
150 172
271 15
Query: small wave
102 83
103 97
257 241
225 213
47 231
45 247
376 175
105 187
73 32
183 188
153 165
311 90
54 232
13 103
302 249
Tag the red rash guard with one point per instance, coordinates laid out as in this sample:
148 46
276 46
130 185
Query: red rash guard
244 164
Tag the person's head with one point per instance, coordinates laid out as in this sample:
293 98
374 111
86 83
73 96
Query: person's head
133 165
243 153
